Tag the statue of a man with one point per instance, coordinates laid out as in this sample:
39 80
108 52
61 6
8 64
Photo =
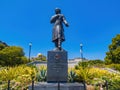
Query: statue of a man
58 31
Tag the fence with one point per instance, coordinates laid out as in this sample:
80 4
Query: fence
8 86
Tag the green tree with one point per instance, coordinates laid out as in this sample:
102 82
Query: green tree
113 55
3 45
11 56
97 61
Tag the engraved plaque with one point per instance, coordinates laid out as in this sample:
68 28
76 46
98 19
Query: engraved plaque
57 66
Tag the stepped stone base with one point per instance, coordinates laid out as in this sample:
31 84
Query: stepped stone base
55 86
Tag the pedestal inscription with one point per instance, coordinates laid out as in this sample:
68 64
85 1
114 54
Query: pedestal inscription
57 66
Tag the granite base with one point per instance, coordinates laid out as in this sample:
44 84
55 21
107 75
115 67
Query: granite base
55 86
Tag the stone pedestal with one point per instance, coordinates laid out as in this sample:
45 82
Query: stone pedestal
54 86
57 66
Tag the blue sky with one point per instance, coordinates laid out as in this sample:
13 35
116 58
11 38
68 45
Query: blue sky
92 22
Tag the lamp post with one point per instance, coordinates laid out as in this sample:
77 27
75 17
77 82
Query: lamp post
81 51
30 45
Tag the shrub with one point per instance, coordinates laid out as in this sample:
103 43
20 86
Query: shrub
71 75
19 76
114 66
41 74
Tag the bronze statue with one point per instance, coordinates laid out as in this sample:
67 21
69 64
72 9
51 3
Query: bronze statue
58 31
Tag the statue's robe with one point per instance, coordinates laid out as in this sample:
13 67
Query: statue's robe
58 30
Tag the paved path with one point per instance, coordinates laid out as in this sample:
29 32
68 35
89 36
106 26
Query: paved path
111 70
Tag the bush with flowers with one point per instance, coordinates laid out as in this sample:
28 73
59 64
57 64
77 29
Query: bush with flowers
97 76
19 76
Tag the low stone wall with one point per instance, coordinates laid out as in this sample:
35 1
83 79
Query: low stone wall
39 63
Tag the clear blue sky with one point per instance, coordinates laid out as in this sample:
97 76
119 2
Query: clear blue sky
92 22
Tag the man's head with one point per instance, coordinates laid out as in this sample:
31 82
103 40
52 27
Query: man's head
57 11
